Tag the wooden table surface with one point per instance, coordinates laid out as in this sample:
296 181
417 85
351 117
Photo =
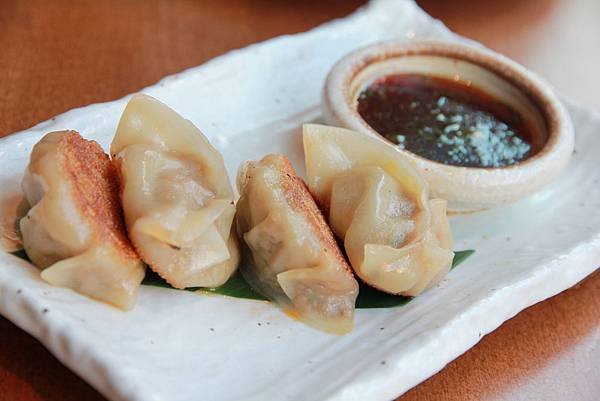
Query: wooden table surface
64 54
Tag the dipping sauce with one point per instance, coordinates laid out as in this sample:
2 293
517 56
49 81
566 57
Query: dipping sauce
445 121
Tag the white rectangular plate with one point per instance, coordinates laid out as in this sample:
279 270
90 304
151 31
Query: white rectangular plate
181 346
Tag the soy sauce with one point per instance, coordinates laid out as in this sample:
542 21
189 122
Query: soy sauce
445 121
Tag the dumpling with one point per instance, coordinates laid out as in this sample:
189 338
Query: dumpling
396 238
74 229
13 207
176 195
295 260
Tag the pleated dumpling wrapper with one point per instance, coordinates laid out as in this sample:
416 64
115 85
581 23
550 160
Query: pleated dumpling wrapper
396 238
176 195
293 258
74 229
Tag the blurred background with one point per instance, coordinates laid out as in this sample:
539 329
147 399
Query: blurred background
90 51
60 54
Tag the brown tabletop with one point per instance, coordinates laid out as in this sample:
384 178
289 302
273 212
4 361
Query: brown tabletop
58 55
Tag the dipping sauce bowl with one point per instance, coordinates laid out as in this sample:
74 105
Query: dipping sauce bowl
466 188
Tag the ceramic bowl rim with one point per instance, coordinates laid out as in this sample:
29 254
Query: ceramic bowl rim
337 92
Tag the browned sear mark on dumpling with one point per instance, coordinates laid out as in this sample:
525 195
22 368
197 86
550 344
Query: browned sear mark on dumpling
95 189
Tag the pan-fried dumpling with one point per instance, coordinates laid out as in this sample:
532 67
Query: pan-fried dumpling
74 229
176 196
295 260
397 239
